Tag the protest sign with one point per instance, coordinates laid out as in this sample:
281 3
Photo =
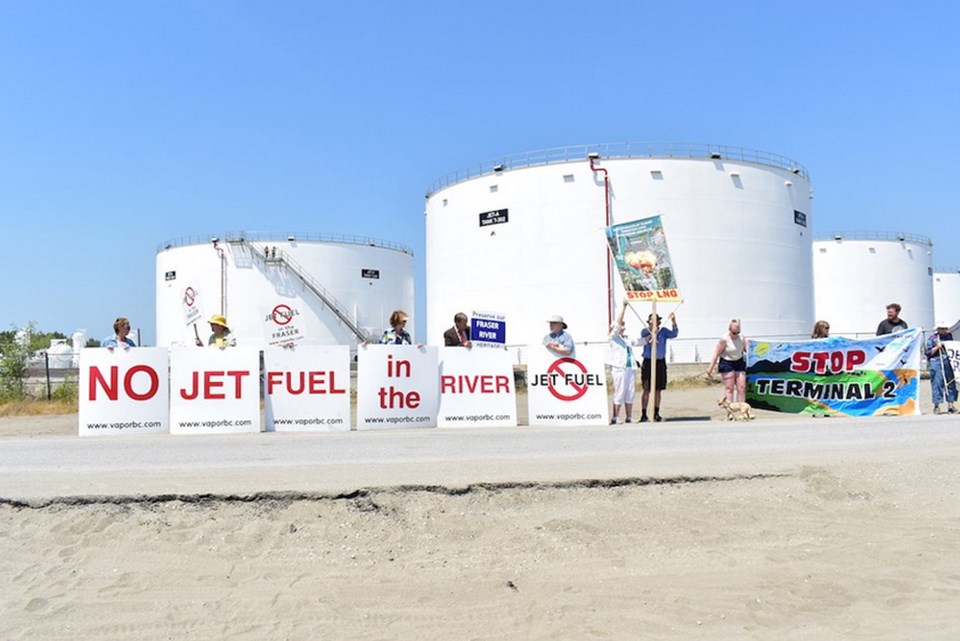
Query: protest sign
214 391
868 377
476 388
307 388
397 387
123 391
566 390
640 252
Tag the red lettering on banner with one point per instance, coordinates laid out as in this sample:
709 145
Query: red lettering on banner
298 382
392 398
484 384
212 381
112 388
827 362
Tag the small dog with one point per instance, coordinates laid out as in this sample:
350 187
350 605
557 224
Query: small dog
737 411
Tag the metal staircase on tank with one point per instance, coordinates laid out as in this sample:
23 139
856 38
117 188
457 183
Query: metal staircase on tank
274 256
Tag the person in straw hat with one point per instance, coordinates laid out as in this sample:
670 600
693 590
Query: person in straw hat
558 341
220 336
942 381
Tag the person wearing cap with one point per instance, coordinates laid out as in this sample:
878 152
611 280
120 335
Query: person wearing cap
942 381
622 364
121 329
398 334
220 336
558 341
459 334
646 335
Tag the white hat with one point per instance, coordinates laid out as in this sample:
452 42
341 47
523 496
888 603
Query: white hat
556 318
942 324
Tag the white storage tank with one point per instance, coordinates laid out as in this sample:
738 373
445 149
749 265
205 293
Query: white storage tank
857 274
946 295
523 236
275 288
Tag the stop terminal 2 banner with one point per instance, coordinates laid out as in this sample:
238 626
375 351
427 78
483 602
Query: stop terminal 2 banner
837 376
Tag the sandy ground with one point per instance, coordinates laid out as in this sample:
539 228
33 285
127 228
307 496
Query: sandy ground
852 549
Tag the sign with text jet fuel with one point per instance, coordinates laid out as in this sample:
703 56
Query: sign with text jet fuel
307 388
123 391
214 391
396 387
566 391
488 330
477 388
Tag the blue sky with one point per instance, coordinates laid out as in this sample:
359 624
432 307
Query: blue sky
125 124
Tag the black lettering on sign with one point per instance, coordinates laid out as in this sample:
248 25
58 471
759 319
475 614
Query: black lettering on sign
495 217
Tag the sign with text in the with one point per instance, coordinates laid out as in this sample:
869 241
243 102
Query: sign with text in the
476 388
307 388
496 217
282 325
565 390
397 387
214 391
488 329
123 391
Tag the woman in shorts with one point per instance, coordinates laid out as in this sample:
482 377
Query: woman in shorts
730 359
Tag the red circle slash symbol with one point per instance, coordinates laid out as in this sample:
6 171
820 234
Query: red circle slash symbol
282 314
555 369
189 296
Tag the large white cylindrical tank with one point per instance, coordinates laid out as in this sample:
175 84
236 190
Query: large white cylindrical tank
857 274
321 290
946 295
737 223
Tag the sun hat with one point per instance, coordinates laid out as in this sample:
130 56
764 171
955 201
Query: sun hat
556 318
942 324
219 319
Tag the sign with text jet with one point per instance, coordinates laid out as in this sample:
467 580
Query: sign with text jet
214 391
123 391
397 387
307 389
477 388
566 391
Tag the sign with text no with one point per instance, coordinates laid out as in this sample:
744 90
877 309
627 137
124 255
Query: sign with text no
123 391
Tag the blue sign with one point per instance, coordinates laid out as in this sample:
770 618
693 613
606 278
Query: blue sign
488 328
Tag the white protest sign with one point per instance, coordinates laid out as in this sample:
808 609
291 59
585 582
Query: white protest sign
123 391
477 388
565 390
190 306
307 388
214 391
397 387
282 325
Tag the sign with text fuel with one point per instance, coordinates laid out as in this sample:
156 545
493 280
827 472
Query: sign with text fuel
123 391
307 388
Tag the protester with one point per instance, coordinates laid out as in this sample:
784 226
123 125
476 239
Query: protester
730 357
558 341
821 329
121 327
397 335
459 334
220 333
662 334
622 362
892 323
942 380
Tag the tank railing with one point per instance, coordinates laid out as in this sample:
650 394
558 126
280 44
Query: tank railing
874 235
326 297
262 236
946 270
614 150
